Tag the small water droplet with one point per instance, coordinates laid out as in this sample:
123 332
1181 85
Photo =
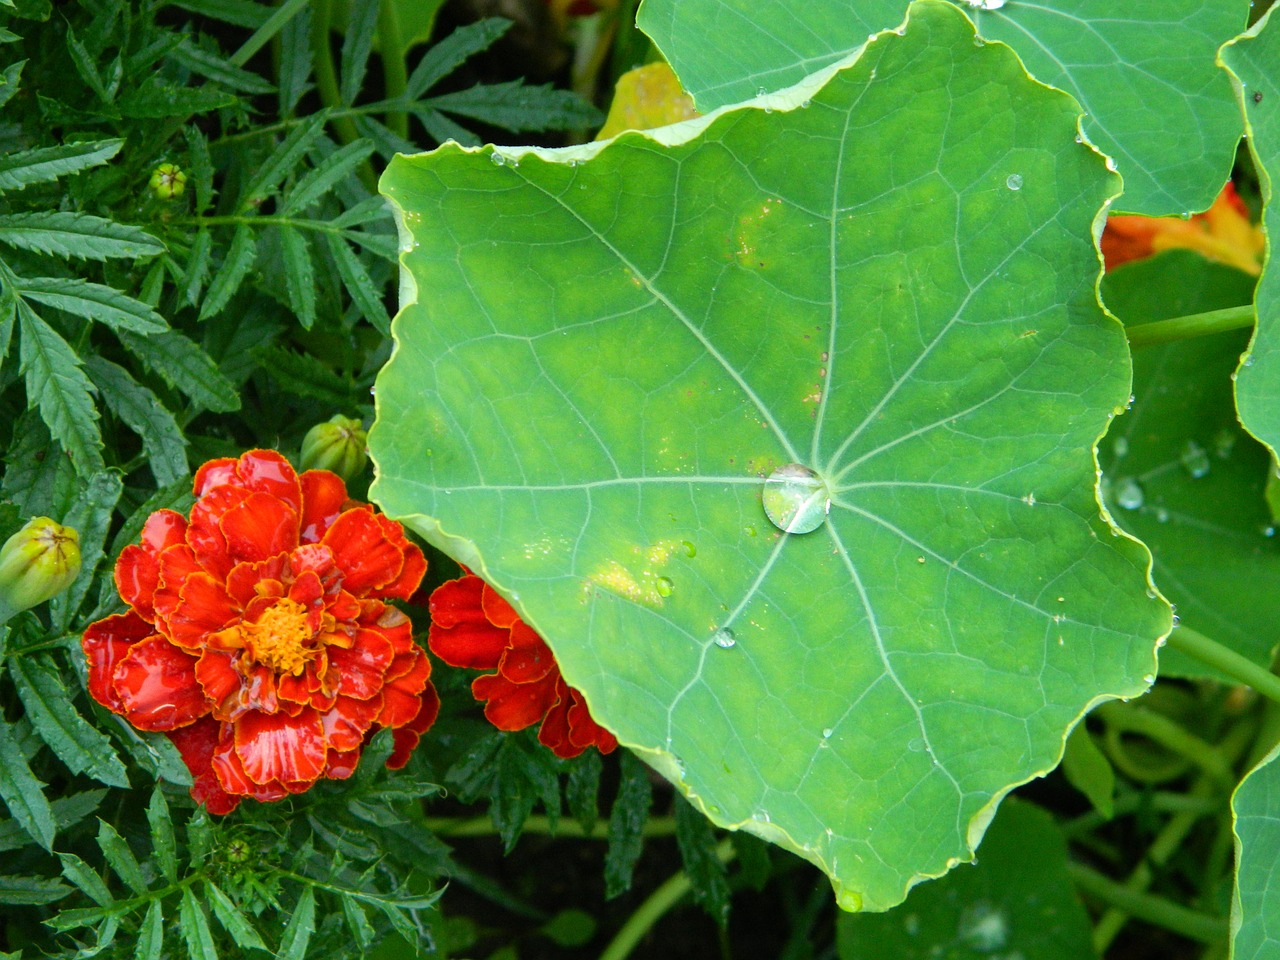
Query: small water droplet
1162 515
1149 678
826 733
1121 447
804 104
1128 493
1194 459
1247 361
664 586
915 745
1185 215
689 549
761 91
848 899
749 530
1013 181
1268 531
919 559
1111 164
724 638
796 499
498 159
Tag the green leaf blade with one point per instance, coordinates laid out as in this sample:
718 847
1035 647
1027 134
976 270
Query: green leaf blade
57 383
1255 810
76 235
23 168
22 793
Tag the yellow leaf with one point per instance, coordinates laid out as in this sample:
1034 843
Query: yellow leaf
647 97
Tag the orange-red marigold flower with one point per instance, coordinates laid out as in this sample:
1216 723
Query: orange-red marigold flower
471 626
258 638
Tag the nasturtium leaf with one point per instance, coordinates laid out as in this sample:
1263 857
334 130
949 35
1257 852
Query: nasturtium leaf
1017 901
1143 70
887 280
1255 906
1181 475
1252 61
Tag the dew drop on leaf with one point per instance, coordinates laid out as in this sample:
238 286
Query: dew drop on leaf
1014 181
1195 460
796 499
1128 493
663 586
724 638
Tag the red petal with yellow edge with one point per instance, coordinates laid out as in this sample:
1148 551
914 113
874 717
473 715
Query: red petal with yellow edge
554 732
258 471
157 686
499 612
203 608
218 677
256 578
341 763
583 729
259 527
229 769
214 473
281 748
401 697
367 559
405 739
348 721
323 496
514 706
138 569
196 743
414 567
105 644
363 667
176 564
527 657
460 634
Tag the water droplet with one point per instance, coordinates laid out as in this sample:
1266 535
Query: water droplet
724 638
915 745
1185 215
689 549
664 586
983 927
987 4
1111 164
1149 678
804 104
498 159
761 91
848 900
1013 181
1194 459
1162 515
826 733
1268 531
796 499
1121 447
1128 493
749 530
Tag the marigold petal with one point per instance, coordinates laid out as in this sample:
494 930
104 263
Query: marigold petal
177 563
460 634
228 766
323 497
405 739
258 471
252 579
196 744
513 706
280 747
259 527
498 611
138 569
407 677
527 658
368 558
341 763
415 562
583 730
157 686
363 667
219 679
203 607
348 721
554 732
105 644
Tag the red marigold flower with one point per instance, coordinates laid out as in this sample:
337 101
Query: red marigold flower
258 637
471 626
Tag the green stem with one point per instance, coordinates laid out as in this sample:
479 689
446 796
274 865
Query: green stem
1221 658
1156 910
1192 325
483 827
262 36
654 908
325 72
394 74
1161 802
1170 735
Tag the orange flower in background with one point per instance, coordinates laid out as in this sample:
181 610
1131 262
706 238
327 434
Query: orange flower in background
258 638
1223 233
471 626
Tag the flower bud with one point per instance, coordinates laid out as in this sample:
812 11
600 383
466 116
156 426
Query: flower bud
167 181
338 446
36 563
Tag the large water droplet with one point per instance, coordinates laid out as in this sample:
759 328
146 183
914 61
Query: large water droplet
724 638
1195 460
664 586
796 499
849 900
1014 181
689 549
987 4
1128 493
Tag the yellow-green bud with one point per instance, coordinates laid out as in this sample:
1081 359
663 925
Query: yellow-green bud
167 181
36 563
338 445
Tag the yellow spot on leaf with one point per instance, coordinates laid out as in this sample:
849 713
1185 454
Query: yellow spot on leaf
647 97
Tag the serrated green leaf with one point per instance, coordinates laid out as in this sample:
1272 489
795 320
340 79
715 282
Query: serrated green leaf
199 836
235 266
145 415
195 928
120 858
11 76
295 61
39 476
157 99
163 845
286 157
93 301
443 129
627 818
86 65
366 297
197 269
357 922
84 877
520 108
1143 72
1251 61
58 385
76 235
1180 474
25 167
386 143
1087 769
299 276
232 920
151 934
90 515
25 891
240 13
48 705
582 789
442 58
593 382
184 365
302 924
366 211
67 811
325 176
213 67
201 167
307 376
357 44
704 868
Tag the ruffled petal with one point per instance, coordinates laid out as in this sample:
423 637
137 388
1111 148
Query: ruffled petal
253 579
323 497
362 669
259 527
138 569
203 607
407 677
583 730
496 610
405 739
367 557
341 763
554 732
105 644
415 562
177 563
258 471
229 769
348 721
280 747
220 681
157 686
197 743
514 706
460 634
527 658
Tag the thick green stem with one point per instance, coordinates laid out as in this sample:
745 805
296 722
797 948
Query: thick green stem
1214 654
394 75
654 908
1155 910
1193 325
325 72
1170 735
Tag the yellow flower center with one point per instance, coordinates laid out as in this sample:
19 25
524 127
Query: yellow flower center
279 638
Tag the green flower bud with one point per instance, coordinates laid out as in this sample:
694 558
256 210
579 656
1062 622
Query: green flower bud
338 445
36 563
167 181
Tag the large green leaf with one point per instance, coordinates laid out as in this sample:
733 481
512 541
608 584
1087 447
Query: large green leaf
1181 474
1256 808
1252 62
603 353
1143 70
